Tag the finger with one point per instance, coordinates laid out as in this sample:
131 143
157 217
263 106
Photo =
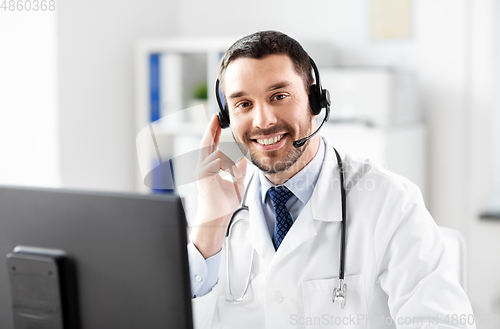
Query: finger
210 169
240 182
211 157
217 132
235 185
242 167
227 163
237 190
224 161
229 194
207 144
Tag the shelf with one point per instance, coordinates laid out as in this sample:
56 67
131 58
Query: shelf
490 215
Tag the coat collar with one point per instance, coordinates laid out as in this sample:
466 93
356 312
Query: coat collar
301 184
326 199
324 205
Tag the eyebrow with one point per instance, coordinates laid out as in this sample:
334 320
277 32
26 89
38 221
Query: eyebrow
236 95
276 86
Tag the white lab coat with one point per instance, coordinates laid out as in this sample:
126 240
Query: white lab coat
396 267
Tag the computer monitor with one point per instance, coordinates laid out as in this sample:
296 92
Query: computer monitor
128 251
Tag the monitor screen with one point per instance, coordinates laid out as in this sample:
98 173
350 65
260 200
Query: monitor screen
128 253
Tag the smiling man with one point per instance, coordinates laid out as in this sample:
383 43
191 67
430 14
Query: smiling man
280 265
267 98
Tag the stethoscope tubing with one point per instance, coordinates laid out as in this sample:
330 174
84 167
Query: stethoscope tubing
343 225
341 291
233 221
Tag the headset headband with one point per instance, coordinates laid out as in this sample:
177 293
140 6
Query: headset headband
318 98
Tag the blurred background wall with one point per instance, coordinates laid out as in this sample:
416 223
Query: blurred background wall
29 115
67 86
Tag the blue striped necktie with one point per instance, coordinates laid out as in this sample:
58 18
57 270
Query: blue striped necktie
279 196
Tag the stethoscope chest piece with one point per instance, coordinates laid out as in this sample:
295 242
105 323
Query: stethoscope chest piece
340 294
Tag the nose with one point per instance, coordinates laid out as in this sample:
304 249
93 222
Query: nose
264 116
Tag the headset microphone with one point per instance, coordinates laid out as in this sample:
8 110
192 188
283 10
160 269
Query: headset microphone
302 141
318 98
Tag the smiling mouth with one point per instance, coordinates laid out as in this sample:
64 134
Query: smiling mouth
269 141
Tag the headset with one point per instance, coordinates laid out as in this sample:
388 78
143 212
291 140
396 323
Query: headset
318 98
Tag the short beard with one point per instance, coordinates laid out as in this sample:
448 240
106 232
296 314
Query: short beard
280 165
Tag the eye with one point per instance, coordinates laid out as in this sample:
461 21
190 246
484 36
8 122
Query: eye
279 97
243 105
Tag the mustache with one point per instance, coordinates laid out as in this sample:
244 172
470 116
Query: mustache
269 131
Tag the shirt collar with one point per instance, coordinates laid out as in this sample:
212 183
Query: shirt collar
302 183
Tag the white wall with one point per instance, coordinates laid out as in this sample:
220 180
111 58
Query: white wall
343 23
482 125
96 95
436 51
28 99
450 50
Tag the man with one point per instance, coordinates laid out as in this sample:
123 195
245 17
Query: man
288 248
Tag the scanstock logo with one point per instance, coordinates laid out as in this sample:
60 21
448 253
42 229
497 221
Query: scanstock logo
168 149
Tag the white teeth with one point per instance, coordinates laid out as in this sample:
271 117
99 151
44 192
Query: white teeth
269 141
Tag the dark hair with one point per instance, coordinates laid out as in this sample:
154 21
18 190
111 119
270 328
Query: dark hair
263 43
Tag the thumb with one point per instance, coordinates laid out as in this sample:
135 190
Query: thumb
242 167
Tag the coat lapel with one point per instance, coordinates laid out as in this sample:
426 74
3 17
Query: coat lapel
302 230
326 198
259 232
324 205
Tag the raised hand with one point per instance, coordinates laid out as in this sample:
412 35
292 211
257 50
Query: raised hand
218 198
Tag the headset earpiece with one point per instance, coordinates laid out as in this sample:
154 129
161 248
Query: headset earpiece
318 97
223 114
224 118
314 99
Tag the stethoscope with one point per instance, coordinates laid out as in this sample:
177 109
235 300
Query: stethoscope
339 293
